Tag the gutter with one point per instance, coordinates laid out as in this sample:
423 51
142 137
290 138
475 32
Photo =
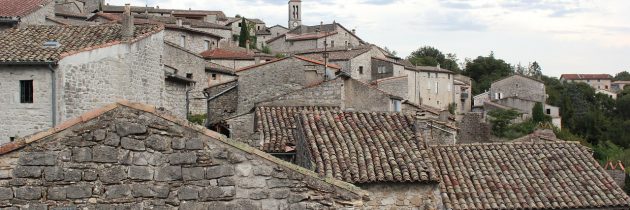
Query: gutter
54 95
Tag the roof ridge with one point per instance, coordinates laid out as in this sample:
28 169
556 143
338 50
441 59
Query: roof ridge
90 115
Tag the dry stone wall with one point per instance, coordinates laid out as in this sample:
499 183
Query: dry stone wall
131 159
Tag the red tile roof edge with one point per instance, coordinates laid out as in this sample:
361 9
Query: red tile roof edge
280 59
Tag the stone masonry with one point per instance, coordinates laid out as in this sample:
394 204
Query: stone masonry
130 156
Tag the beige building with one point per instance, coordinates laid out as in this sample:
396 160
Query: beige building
314 37
618 86
431 86
463 93
597 81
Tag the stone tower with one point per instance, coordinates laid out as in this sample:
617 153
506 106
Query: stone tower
295 13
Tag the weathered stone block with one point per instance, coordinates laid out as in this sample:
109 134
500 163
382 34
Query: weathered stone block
188 193
219 171
72 175
235 157
143 191
161 190
280 194
296 197
105 154
112 140
38 159
258 195
78 191
192 174
112 175
168 173
35 206
5 174
99 135
194 144
182 158
28 193
179 143
226 181
262 170
252 182
90 175
140 173
6 193
117 191
27 172
82 154
213 193
132 144
56 193
275 183
52 174
126 128
158 142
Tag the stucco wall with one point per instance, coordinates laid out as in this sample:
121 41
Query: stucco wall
187 63
361 97
127 159
396 86
604 84
105 75
18 119
423 85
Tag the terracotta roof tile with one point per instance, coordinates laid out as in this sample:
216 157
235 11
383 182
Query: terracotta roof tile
27 44
20 8
237 54
278 126
550 175
585 76
333 66
363 147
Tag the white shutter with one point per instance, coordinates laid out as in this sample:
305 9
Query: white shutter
436 87
429 85
449 86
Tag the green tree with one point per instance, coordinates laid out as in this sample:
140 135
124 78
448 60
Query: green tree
624 76
484 70
430 56
244 36
501 119
623 107
534 70
538 114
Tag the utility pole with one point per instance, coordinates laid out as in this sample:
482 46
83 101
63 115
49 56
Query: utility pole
325 54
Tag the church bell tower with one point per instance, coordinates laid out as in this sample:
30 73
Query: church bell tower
295 13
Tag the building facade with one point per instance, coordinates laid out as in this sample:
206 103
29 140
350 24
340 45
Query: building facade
597 81
314 37
431 86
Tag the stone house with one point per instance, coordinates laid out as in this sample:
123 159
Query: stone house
190 65
597 81
480 99
236 57
257 28
277 30
25 12
366 62
222 104
134 156
218 74
431 86
618 86
518 86
608 93
175 89
54 73
202 15
262 36
314 37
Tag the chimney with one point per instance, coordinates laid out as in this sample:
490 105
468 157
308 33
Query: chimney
179 22
247 46
354 31
127 23
256 58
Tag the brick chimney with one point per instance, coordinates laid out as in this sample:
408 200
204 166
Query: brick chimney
127 23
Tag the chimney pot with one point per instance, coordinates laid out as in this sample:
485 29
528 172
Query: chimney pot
127 23
354 31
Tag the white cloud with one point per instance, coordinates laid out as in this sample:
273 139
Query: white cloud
563 35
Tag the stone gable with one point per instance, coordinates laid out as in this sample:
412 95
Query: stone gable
132 156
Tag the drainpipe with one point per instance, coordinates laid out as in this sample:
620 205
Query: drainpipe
188 102
54 95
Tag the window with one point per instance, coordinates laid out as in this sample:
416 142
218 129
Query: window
436 87
26 91
346 43
11 139
605 86
382 70
214 76
189 75
258 27
588 80
449 76
396 105
428 75
240 24
360 69
182 41
428 85
332 43
436 75
549 111
206 44
598 80
449 87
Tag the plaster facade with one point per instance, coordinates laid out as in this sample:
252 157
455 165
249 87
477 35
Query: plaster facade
430 88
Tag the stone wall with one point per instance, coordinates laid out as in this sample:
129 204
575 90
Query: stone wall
364 60
233 64
39 17
224 101
519 86
397 86
187 62
619 176
131 159
242 129
105 75
473 129
194 42
361 97
386 71
21 119
403 195
174 98
325 94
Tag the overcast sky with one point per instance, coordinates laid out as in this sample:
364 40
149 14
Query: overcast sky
564 36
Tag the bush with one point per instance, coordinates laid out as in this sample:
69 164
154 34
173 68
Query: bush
501 119
199 119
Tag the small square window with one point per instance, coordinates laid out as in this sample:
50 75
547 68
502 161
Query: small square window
428 75
26 91
214 76
189 75
11 139
548 111
360 69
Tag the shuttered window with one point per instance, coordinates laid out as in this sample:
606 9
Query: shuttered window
26 91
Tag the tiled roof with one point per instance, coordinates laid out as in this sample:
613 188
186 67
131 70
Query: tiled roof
430 69
20 8
551 175
27 44
362 147
585 76
210 66
335 54
333 66
232 53
278 126
135 9
309 36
